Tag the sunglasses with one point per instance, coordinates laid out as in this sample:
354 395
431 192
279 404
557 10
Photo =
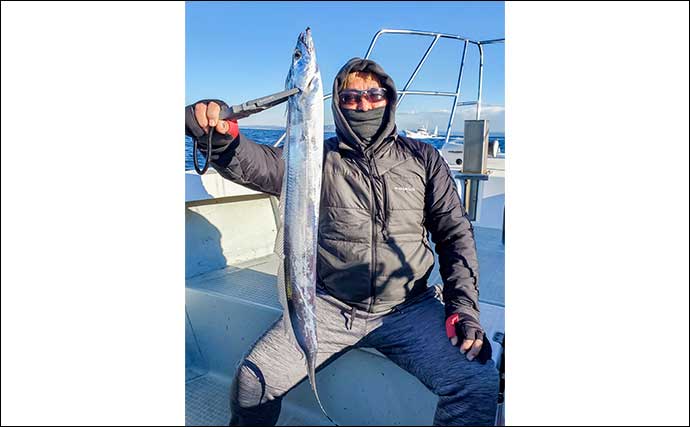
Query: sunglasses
352 96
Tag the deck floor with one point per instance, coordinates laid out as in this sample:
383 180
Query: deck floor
207 401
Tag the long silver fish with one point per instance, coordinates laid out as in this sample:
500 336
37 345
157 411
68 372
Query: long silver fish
299 202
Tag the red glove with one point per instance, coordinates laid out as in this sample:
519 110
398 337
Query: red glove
233 128
225 131
468 333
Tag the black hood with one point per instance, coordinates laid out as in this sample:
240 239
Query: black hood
342 127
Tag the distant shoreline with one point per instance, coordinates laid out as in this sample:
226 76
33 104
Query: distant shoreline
331 128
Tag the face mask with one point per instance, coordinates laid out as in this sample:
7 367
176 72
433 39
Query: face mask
365 124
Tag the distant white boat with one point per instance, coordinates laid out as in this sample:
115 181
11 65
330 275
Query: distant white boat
421 133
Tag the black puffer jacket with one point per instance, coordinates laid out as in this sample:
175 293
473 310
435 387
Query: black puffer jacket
378 204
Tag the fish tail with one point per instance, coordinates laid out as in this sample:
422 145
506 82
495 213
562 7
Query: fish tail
312 379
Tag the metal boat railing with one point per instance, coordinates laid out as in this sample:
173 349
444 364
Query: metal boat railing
456 95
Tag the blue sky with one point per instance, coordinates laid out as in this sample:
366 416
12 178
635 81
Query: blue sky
237 51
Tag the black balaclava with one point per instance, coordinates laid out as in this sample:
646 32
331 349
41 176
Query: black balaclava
364 128
365 124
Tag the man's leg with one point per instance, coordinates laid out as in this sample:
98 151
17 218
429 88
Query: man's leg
415 339
275 365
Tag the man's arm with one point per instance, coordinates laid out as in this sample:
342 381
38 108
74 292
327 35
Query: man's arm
233 155
252 165
451 231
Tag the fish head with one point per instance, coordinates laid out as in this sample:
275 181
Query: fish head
304 67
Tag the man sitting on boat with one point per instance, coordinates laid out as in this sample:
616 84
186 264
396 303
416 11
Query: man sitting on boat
382 194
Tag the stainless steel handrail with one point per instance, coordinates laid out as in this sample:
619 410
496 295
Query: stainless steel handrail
456 95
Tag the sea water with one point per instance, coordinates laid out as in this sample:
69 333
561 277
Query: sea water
270 136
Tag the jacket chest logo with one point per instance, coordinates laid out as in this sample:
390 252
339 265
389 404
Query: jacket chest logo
403 189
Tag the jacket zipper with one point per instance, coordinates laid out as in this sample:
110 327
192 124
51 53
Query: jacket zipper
372 269
386 208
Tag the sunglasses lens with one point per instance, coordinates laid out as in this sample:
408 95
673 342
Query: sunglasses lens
349 98
376 97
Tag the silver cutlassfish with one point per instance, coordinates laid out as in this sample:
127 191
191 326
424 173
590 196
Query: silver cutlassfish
297 238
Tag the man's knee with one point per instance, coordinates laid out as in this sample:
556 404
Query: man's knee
472 379
484 377
489 378
249 386
468 395
251 403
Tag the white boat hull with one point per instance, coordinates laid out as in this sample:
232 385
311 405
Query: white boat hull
419 135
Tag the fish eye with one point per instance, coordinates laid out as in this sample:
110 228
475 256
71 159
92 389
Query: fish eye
298 55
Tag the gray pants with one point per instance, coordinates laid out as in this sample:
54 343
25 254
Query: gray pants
412 336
